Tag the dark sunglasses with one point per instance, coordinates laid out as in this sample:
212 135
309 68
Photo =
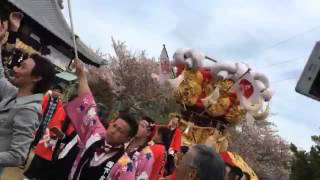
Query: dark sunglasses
20 56
17 57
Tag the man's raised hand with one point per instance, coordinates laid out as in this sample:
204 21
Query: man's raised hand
15 19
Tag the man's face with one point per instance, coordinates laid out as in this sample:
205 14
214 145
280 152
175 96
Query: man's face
22 74
184 170
173 123
118 132
143 129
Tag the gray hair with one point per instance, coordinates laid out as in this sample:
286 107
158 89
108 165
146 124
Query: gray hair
207 162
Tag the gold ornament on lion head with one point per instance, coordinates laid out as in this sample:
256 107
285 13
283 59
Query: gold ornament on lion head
221 103
190 88
224 86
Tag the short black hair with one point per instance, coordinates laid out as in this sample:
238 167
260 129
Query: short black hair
165 136
43 68
148 119
131 121
58 87
208 163
184 149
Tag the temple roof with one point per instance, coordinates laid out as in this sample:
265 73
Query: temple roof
48 14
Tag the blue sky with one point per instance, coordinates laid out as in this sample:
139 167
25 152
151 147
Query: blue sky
275 37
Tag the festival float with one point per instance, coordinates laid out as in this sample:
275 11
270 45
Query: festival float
215 97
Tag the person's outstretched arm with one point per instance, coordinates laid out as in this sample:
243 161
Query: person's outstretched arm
3 31
82 77
82 110
6 88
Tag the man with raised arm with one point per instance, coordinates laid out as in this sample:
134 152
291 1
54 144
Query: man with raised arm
96 153
20 102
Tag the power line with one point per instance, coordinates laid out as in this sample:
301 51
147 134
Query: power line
289 60
282 80
286 61
279 63
282 62
287 40
292 37
273 83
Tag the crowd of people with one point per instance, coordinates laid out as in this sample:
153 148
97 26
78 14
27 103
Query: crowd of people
71 140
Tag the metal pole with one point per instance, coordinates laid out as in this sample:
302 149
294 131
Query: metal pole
211 59
73 35
245 73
